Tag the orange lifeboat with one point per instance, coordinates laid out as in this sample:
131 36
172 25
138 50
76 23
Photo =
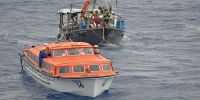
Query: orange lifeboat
70 67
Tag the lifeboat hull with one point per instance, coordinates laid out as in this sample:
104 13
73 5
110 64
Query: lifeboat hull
91 87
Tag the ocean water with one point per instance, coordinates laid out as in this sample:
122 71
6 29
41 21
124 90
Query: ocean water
158 59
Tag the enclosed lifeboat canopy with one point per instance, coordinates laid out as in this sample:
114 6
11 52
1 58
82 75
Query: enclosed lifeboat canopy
71 60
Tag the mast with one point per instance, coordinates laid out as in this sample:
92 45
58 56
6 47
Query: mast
94 4
116 2
69 16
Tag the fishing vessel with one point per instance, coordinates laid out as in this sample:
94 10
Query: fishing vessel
72 67
96 22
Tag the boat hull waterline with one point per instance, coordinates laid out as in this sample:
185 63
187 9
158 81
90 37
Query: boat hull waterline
91 87
94 36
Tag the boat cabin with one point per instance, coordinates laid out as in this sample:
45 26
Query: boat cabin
97 17
70 60
69 18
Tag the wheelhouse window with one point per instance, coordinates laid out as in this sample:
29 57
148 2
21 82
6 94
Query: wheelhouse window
78 69
94 68
58 53
87 51
73 52
64 70
106 67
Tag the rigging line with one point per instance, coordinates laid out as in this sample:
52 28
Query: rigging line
103 39
70 40
70 37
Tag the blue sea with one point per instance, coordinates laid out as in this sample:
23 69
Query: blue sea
158 59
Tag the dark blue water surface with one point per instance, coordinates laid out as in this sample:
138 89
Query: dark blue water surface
158 59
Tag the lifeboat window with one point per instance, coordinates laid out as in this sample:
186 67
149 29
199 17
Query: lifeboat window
46 65
78 69
106 67
33 57
73 52
29 54
58 53
94 68
64 70
87 51
36 59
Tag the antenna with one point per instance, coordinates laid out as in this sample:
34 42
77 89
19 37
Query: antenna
94 4
116 2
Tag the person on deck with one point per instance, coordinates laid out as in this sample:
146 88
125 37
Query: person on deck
42 55
96 20
96 49
106 19
100 10
48 52
82 23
